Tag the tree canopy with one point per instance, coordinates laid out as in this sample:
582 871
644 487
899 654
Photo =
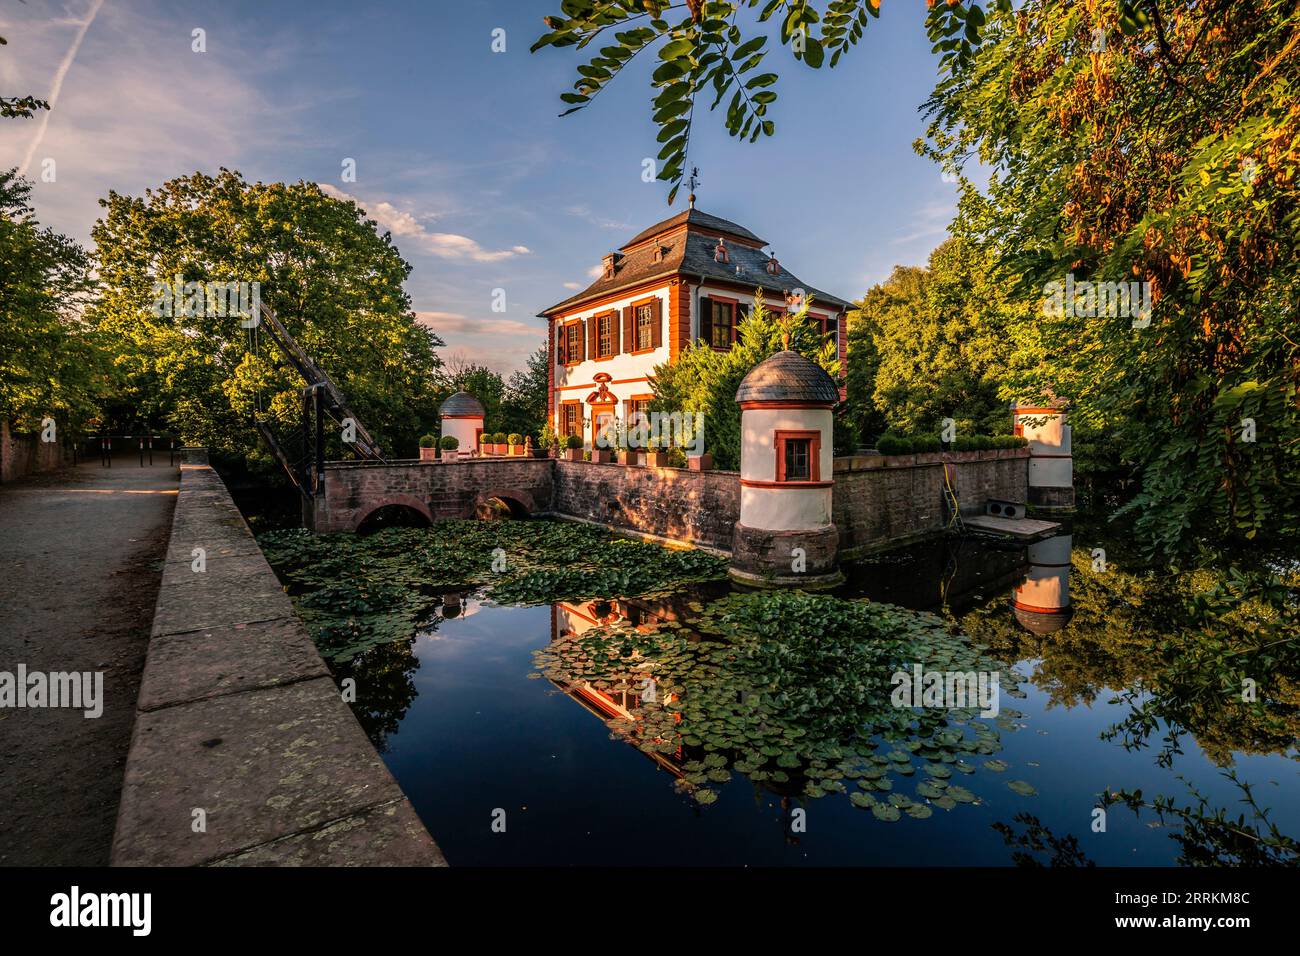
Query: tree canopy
50 365
334 282
1159 149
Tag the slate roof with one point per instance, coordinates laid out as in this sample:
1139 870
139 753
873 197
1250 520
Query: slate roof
691 254
461 403
788 377
695 217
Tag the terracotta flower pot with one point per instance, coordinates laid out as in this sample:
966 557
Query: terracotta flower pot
573 454
656 459
516 450
428 454
450 454
702 462
602 455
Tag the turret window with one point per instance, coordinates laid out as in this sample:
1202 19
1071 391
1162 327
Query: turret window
798 456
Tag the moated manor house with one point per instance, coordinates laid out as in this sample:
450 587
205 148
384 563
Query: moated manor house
689 278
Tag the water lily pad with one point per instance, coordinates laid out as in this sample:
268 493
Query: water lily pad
1022 788
885 812
997 766
919 810
863 800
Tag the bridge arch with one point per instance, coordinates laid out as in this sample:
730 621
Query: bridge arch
520 502
408 502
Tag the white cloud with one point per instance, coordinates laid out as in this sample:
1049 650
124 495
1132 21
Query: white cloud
455 323
403 225
575 286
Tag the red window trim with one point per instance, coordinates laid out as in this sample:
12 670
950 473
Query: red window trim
562 409
780 437
565 333
613 317
648 300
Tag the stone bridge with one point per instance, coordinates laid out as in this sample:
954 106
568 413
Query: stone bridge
354 491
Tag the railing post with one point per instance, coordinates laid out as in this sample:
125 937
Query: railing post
320 439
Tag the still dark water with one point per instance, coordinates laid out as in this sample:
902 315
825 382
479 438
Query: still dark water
468 733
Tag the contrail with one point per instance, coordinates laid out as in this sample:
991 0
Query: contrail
58 84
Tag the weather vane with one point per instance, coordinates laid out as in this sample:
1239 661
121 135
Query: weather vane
692 183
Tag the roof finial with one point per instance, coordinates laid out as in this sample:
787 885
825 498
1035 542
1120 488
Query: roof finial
692 183
785 340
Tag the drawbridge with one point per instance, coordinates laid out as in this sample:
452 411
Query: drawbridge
302 454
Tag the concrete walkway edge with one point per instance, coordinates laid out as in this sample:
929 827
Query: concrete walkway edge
243 751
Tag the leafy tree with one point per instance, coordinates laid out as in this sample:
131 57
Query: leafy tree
19 107
707 51
334 282
704 380
524 407
935 343
50 364
461 375
1153 142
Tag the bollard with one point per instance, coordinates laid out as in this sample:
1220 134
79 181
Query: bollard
141 440
150 451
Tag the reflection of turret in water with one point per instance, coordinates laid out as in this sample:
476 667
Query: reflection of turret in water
1041 602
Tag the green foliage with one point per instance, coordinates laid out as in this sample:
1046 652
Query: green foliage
331 279
448 443
708 52
704 380
573 441
498 438
50 360
20 107
1152 153
515 438
933 343
428 441
356 592
794 691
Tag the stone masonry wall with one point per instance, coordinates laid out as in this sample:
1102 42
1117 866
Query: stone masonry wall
26 454
883 500
878 500
694 506
238 715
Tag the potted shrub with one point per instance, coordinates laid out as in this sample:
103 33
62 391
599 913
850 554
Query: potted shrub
449 444
499 444
485 444
701 462
429 448
549 441
656 457
516 443
602 449
573 448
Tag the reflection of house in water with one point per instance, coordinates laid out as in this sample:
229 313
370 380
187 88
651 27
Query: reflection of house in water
1041 603
630 699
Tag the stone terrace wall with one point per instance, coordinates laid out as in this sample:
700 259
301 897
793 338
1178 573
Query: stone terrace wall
699 507
26 454
886 500
238 716
436 489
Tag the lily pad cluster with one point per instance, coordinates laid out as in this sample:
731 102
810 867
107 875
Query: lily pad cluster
793 691
356 592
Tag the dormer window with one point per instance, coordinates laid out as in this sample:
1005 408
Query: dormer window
610 263
720 253
773 266
659 253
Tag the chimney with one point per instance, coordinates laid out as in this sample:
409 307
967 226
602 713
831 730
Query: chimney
611 263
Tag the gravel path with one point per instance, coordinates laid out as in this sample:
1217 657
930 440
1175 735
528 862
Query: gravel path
80 561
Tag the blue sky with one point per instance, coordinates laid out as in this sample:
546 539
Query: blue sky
460 151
